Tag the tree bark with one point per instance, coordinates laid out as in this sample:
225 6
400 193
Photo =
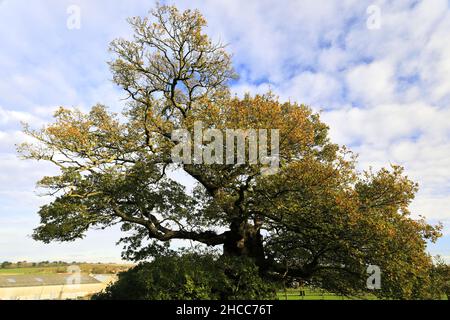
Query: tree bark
245 240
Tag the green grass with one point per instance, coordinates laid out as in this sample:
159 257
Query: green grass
311 294
30 270
85 268
317 294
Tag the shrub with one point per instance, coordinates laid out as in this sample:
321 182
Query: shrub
190 277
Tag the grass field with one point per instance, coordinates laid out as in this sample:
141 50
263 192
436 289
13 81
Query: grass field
311 294
31 270
85 268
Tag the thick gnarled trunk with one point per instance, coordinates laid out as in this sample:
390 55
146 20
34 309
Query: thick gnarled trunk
245 240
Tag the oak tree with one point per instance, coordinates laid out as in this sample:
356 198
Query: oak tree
317 220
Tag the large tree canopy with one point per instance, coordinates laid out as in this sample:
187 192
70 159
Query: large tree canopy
317 219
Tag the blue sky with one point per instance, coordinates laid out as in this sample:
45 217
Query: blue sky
384 92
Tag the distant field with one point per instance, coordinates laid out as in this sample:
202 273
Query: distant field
85 268
30 270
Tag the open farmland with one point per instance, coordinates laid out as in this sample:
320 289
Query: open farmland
87 268
55 280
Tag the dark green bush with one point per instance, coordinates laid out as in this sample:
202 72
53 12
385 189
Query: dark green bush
190 277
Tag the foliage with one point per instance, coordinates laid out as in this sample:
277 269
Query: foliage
190 277
440 279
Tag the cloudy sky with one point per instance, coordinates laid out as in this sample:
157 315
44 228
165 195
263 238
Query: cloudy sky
379 71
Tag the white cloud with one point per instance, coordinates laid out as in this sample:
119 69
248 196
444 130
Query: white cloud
14 117
371 84
433 207
317 89
386 123
333 59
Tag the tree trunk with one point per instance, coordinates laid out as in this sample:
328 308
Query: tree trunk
245 240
